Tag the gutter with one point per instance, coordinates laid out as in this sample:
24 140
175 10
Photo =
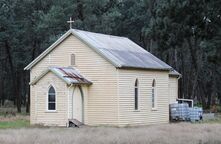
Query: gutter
144 68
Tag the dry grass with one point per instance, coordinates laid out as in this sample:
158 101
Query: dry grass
3 110
14 118
181 133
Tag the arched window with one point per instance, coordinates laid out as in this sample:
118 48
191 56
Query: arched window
153 94
136 95
72 59
51 99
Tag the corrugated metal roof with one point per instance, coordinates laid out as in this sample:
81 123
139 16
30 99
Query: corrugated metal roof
69 74
121 51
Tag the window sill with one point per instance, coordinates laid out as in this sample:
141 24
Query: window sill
154 109
50 111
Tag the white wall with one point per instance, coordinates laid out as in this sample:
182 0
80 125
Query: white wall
102 94
39 112
173 89
145 115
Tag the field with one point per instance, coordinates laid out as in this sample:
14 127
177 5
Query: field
16 130
12 119
179 133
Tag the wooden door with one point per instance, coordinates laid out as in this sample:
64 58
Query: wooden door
77 104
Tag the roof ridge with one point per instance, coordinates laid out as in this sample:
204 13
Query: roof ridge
97 33
121 52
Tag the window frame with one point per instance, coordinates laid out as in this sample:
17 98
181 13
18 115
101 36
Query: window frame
136 95
154 93
71 58
47 100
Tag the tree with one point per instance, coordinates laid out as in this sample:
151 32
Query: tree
184 33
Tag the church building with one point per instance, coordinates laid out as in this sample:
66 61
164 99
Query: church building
100 79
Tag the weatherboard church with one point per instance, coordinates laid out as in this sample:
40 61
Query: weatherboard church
100 79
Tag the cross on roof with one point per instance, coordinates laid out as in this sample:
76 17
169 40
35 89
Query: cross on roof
70 21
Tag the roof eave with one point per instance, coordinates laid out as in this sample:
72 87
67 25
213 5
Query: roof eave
36 60
54 72
145 68
176 75
39 77
75 33
71 31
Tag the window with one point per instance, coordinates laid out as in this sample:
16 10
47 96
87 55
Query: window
51 99
136 95
153 94
72 59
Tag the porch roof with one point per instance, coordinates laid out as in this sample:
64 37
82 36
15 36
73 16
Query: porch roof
68 74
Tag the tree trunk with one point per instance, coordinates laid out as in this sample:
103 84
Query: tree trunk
175 59
202 96
1 90
182 87
15 78
80 10
192 53
27 103
192 48
27 96
18 95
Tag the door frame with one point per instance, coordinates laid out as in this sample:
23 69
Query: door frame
82 101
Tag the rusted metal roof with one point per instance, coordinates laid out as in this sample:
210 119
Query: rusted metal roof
69 74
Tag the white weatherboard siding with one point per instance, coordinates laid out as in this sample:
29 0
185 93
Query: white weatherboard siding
102 94
41 114
144 115
32 105
173 89
110 98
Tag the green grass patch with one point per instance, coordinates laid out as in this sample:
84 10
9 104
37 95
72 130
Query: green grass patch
213 121
14 124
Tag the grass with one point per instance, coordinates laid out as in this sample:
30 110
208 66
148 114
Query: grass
16 130
14 124
13 119
179 133
3 110
18 121
216 120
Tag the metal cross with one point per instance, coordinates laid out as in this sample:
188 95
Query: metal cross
70 21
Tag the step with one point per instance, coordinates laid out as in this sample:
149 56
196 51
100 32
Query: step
74 123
